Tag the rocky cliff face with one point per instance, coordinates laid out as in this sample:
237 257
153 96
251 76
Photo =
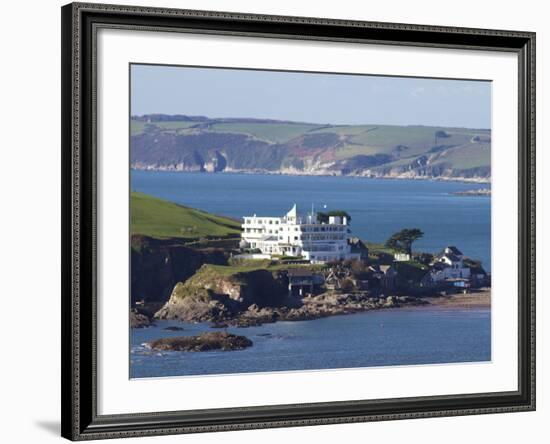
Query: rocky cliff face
276 147
255 297
213 296
156 266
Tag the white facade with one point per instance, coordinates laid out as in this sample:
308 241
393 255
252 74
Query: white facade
402 257
454 268
294 235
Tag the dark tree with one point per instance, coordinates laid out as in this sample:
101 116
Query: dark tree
425 258
323 217
403 240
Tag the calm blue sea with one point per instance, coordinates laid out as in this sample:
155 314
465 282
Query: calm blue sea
374 338
378 207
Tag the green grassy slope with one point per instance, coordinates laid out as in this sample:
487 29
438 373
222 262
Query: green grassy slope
468 156
271 132
161 219
255 264
138 127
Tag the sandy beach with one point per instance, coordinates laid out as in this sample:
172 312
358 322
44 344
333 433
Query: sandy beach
480 298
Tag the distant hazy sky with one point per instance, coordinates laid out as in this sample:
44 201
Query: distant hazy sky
316 98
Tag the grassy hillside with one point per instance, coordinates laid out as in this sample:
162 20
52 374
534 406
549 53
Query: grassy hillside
255 264
138 127
270 132
161 219
254 145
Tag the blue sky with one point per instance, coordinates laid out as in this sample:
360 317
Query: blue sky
307 97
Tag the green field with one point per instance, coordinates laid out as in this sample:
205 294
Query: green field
254 265
138 126
468 156
377 248
161 219
271 132
347 130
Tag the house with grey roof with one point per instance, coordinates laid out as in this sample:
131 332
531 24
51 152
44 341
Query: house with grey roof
449 264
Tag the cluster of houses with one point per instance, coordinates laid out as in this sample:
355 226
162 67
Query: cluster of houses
330 241
449 267
446 271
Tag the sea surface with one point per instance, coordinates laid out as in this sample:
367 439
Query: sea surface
378 207
406 336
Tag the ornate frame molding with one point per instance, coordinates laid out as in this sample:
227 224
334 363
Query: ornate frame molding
79 392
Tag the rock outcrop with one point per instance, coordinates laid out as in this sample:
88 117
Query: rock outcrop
320 306
139 320
256 297
211 295
203 342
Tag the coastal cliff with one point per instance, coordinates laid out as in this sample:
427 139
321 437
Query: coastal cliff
246 298
202 144
170 242
158 265
215 295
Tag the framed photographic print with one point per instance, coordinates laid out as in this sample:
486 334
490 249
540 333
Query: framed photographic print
280 221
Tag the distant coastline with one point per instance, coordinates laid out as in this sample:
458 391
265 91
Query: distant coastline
251 146
478 192
478 180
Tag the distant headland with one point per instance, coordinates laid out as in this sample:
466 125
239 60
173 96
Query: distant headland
162 142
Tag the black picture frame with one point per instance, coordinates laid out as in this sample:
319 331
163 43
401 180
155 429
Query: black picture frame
79 171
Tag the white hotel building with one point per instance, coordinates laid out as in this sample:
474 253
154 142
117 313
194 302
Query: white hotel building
294 235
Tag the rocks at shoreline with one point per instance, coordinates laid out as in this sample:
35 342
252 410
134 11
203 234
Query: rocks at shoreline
139 320
252 298
479 192
173 328
204 342
220 316
320 306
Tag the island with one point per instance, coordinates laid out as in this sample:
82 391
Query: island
192 266
204 342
